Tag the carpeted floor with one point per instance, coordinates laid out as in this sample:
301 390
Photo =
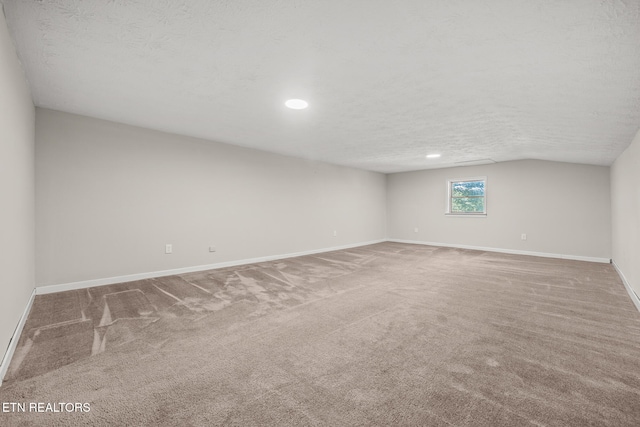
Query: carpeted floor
387 334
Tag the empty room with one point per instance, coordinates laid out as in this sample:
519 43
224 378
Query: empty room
319 213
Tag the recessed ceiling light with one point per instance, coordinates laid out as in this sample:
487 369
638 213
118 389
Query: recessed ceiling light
297 104
433 156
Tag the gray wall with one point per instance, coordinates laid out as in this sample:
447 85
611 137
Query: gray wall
625 212
16 189
110 196
563 208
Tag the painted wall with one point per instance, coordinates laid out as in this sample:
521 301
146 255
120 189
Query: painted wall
625 212
110 196
16 189
563 208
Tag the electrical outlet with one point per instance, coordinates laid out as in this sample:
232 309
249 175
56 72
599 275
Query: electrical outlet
168 249
335 233
212 248
415 230
523 236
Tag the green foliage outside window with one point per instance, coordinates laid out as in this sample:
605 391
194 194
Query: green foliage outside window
468 196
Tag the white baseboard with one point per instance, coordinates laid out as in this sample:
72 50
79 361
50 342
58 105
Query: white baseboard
49 289
634 297
506 251
6 360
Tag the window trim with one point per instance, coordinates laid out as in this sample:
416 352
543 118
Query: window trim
466 214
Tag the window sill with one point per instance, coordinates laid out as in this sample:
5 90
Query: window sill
469 215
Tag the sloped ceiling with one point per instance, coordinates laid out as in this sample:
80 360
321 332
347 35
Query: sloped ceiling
387 81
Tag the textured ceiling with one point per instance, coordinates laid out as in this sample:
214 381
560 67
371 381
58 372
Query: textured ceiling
387 81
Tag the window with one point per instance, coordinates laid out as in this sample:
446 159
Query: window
467 196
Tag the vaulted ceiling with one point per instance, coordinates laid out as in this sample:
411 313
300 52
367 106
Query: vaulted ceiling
387 81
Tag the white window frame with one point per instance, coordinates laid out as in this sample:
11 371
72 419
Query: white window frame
466 214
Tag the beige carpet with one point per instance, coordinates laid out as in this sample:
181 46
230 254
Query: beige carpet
388 334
